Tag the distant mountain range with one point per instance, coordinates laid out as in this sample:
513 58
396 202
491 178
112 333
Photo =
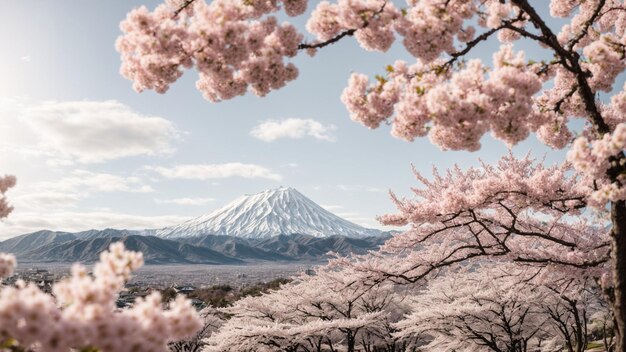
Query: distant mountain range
274 225
64 247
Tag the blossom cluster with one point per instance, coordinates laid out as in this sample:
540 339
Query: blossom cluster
505 305
523 181
430 27
7 265
338 309
330 310
82 313
455 109
6 182
234 46
606 62
594 159
373 21
456 104
513 210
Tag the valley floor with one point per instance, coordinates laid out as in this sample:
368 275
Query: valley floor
199 275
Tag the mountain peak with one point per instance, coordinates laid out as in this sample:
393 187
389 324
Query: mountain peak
277 190
272 212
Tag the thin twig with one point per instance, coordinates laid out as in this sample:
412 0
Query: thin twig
183 7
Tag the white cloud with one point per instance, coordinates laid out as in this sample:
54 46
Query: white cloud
70 190
216 171
103 182
82 131
272 130
26 58
185 201
88 181
49 198
24 222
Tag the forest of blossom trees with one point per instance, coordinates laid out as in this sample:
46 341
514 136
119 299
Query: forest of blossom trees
515 256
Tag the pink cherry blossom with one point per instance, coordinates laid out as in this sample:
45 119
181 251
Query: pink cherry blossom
6 182
82 312
332 309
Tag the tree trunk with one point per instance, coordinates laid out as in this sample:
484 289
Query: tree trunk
350 341
579 330
618 254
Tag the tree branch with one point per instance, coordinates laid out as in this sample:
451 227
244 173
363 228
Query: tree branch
573 65
347 33
186 4
471 44
338 37
587 25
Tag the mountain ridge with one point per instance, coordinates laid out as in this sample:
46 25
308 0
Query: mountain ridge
155 251
205 249
280 211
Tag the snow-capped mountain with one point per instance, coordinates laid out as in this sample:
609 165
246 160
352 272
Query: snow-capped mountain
274 212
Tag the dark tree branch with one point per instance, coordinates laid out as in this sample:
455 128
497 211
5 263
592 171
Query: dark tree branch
584 265
185 5
570 93
471 44
570 59
338 37
587 25
347 33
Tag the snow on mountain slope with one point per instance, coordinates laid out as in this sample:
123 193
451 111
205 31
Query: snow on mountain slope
266 214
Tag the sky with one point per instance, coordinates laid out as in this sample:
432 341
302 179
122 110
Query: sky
91 153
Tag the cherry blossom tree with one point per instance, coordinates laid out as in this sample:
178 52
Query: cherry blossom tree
212 320
517 210
238 46
329 311
6 182
487 310
570 303
601 325
502 307
82 316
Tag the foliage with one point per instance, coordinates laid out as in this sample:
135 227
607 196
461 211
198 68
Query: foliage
82 314
6 182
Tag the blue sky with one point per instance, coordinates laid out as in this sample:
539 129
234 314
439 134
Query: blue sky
89 152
